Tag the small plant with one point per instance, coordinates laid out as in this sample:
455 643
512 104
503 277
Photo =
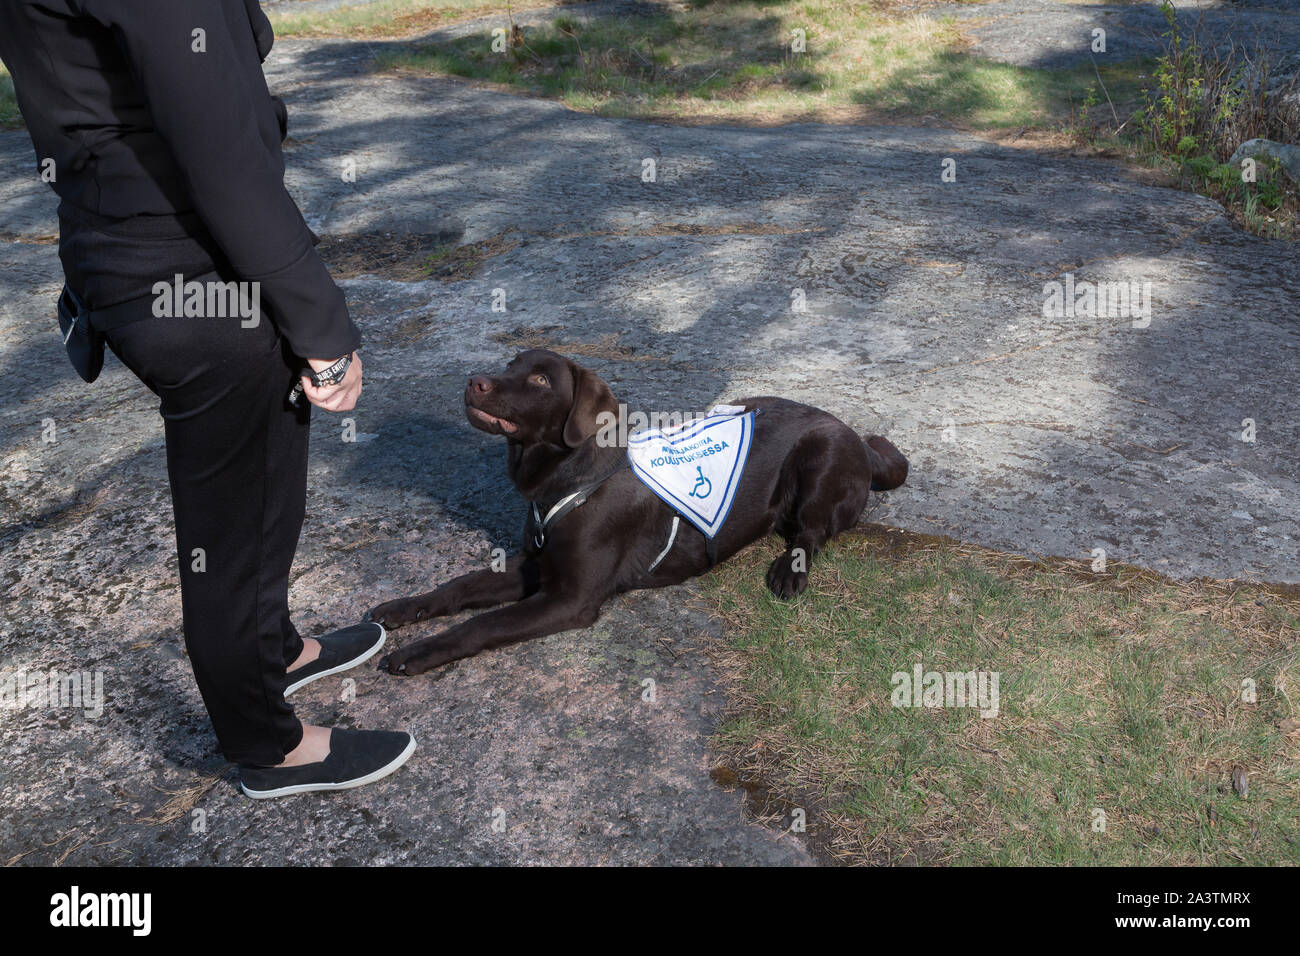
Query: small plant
1168 116
1206 101
1080 123
1220 96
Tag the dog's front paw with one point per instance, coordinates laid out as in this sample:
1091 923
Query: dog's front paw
396 613
782 578
406 662
423 655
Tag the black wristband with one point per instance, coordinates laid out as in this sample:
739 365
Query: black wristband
332 374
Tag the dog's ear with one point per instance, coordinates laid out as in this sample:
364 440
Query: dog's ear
591 396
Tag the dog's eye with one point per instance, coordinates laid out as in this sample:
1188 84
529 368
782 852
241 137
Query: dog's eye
538 379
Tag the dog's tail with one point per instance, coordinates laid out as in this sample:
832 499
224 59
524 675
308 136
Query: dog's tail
888 466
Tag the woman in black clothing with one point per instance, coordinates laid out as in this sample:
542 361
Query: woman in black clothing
164 143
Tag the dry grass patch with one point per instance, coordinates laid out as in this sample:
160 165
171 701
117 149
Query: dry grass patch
409 257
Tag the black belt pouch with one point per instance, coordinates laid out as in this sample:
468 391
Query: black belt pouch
84 343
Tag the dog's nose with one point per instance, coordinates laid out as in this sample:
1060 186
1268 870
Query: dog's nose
480 384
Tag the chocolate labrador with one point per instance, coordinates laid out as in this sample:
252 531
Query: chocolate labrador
807 478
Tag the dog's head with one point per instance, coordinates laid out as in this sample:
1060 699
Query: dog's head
540 398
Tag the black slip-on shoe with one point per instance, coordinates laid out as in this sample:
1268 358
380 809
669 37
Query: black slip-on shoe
339 651
356 757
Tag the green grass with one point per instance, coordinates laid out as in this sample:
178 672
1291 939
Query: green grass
983 94
735 61
9 116
389 17
1119 691
1267 207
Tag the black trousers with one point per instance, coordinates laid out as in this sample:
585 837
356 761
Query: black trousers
237 460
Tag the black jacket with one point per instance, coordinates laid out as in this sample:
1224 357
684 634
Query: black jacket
166 153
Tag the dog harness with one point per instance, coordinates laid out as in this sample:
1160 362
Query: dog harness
693 468
539 525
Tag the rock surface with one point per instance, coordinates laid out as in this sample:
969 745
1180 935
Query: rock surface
1042 33
1288 156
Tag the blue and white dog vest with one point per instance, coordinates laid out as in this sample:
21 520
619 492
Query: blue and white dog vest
695 468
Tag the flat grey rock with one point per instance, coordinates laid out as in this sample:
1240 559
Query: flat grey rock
1045 33
1288 156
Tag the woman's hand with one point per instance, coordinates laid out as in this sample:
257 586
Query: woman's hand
335 398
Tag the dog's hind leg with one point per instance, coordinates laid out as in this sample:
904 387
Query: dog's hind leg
824 486
520 578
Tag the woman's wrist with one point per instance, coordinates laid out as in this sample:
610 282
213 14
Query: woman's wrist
330 371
